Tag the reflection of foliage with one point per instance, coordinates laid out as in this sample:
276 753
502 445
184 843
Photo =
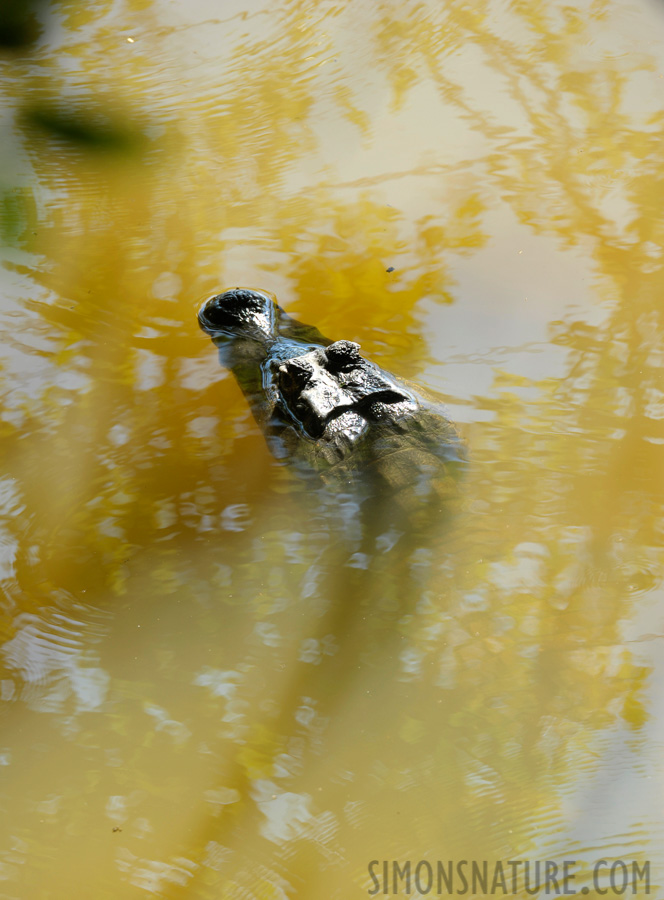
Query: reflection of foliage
140 477
19 23
18 217
338 267
88 128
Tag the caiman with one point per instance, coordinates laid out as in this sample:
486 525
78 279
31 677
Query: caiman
324 407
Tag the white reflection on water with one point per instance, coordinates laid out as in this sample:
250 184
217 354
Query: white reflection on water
152 875
50 652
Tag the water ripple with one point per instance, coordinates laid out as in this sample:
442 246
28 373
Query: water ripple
51 654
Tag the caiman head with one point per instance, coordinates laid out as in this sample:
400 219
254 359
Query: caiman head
294 376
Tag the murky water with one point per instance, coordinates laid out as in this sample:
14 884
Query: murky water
208 687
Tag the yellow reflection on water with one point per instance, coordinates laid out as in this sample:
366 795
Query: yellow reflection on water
209 688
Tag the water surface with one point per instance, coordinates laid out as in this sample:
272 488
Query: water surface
208 687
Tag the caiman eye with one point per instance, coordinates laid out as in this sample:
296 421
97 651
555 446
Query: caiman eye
343 354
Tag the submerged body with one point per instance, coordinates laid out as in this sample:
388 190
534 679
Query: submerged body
328 410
